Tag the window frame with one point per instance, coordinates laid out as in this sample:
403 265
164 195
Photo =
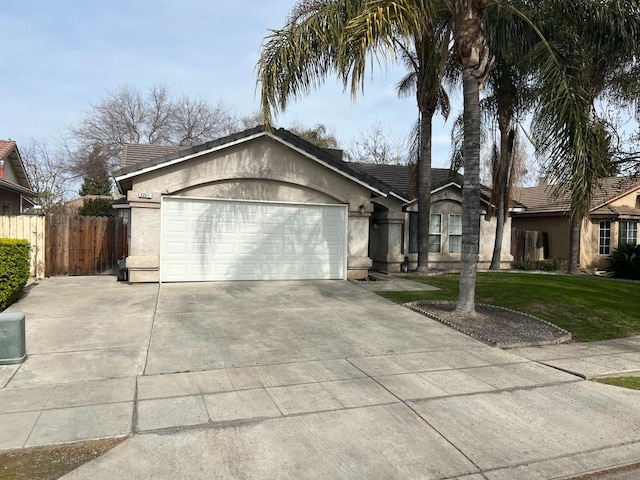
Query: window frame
455 235
433 235
604 237
624 238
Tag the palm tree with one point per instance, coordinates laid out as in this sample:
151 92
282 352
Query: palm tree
426 64
314 43
471 47
598 44
509 99
324 35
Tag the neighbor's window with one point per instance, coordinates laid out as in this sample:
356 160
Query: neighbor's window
628 233
435 233
604 244
455 233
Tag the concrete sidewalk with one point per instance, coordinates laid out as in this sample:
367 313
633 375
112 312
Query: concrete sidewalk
616 357
296 380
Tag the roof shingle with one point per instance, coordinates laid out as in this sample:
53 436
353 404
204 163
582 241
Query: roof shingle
541 199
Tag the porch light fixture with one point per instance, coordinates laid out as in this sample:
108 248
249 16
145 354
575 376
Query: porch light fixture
362 209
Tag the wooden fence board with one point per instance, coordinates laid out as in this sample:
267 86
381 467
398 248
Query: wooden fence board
528 245
84 245
32 229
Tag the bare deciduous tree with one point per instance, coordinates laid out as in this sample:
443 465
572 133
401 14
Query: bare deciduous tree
195 121
252 120
128 115
377 146
47 169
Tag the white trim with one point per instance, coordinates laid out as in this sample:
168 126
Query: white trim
446 186
394 194
440 234
613 199
255 201
187 157
449 234
331 167
242 140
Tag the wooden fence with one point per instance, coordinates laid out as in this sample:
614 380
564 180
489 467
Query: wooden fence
32 229
84 245
527 245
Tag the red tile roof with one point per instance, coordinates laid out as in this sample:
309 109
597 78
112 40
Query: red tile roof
6 147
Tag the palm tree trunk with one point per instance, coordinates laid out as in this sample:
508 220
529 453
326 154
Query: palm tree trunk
574 244
424 189
470 195
499 234
502 183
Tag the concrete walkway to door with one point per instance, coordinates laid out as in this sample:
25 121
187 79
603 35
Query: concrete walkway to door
318 379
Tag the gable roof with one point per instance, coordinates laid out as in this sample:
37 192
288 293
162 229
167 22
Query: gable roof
10 154
134 153
401 178
329 159
540 200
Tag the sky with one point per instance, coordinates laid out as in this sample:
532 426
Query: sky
62 56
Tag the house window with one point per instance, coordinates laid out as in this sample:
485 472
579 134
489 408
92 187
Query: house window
604 243
413 232
628 233
455 233
435 233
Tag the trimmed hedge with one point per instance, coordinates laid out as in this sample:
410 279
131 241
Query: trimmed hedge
548 265
14 270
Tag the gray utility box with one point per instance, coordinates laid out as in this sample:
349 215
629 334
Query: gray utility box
13 347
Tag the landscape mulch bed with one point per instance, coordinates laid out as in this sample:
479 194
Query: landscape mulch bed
496 326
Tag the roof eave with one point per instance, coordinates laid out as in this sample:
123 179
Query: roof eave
613 199
27 192
119 179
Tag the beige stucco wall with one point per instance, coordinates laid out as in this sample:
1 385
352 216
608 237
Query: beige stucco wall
388 240
632 199
589 243
448 201
557 229
260 170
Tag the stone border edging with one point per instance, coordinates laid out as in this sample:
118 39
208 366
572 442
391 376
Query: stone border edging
565 337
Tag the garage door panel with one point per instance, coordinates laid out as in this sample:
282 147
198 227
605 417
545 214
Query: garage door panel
204 240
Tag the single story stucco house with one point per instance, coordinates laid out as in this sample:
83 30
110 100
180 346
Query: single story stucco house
613 219
263 205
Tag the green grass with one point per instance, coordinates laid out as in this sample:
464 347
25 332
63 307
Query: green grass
591 308
626 382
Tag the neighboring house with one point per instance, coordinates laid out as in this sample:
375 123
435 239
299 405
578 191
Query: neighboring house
261 205
16 195
613 219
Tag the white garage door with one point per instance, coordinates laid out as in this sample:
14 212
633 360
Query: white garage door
204 240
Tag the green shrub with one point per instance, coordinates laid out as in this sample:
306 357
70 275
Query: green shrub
14 270
624 262
548 265
97 207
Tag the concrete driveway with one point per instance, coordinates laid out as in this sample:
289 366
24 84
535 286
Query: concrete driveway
294 380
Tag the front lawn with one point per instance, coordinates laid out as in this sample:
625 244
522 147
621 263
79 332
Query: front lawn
626 382
591 308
